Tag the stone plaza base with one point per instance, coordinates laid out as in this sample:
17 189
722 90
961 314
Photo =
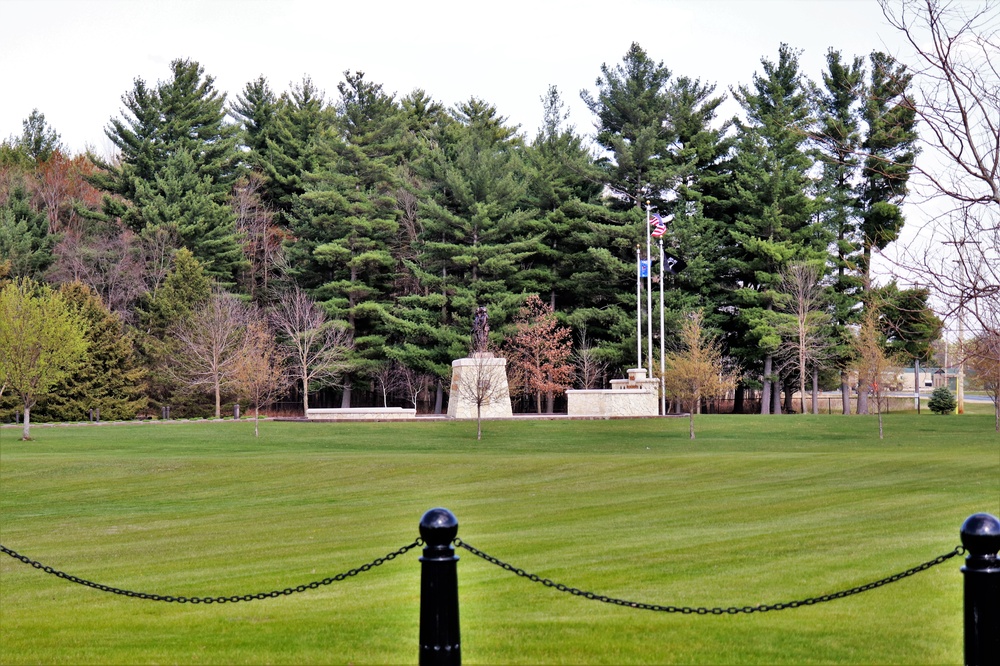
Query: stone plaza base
479 379
361 414
635 396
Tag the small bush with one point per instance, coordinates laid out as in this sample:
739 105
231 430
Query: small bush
942 401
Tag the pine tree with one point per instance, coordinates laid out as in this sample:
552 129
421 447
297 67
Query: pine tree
476 228
177 164
25 242
256 110
632 107
345 221
773 224
865 136
291 149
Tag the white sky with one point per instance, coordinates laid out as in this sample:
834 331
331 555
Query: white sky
74 59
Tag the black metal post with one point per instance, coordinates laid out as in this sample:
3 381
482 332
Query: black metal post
981 539
439 629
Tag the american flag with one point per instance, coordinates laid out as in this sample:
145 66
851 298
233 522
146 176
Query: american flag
659 227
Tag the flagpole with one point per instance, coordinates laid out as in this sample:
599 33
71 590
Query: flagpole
638 307
663 356
649 296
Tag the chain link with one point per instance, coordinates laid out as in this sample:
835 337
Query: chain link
213 600
687 610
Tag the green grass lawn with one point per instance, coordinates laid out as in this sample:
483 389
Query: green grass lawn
756 510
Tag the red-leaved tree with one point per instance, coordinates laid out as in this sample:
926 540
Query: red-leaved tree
539 353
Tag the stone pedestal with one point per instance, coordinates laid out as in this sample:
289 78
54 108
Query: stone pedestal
480 378
635 396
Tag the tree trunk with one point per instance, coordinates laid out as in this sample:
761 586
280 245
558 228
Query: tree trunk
738 399
691 422
345 399
845 393
218 400
815 390
776 396
862 398
438 397
26 429
479 423
550 402
305 397
256 421
765 393
789 398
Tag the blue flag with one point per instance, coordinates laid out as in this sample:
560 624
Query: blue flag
643 268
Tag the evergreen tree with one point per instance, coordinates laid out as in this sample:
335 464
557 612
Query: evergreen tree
110 379
476 233
256 110
631 106
889 154
773 223
25 242
38 139
292 148
345 221
908 322
174 137
180 199
565 187
185 288
865 135
838 138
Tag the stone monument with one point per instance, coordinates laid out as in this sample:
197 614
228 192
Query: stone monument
479 386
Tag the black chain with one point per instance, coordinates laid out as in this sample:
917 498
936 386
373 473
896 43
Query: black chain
213 600
732 610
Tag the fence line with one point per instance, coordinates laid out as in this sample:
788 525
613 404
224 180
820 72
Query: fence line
439 627
210 600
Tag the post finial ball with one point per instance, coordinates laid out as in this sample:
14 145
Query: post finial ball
981 534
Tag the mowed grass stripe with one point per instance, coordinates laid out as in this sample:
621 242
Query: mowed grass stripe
756 510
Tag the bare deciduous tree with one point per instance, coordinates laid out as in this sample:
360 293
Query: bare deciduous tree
697 370
590 366
481 383
317 347
210 343
260 238
259 375
984 362
956 64
803 344
411 382
871 360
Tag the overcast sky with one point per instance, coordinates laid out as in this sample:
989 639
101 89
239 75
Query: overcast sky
74 59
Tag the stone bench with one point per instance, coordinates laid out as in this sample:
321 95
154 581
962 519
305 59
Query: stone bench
361 414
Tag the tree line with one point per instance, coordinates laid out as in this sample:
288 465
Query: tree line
354 236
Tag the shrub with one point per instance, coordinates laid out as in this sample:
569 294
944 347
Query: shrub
942 401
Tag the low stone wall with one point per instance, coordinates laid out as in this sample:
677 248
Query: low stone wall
611 403
361 414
